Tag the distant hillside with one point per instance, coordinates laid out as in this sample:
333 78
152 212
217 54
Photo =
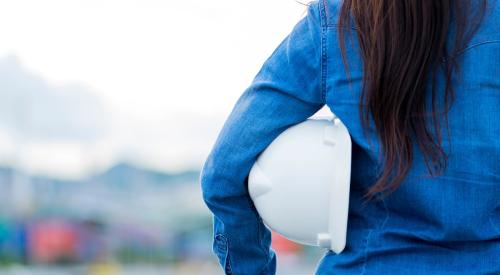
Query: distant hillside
121 174
127 174
122 193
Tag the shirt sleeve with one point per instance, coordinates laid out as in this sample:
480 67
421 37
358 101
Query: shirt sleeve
287 90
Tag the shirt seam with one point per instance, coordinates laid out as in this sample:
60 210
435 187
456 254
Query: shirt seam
475 45
323 62
369 235
365 252
262 245
335 26
329 24
264 270
382 226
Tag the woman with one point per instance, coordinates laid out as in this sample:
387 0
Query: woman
417 83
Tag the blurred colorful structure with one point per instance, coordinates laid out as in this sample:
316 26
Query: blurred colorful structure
52 241
125 216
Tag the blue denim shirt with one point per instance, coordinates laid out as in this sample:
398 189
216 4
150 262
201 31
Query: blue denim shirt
431 225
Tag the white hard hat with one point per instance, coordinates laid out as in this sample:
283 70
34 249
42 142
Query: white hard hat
300 183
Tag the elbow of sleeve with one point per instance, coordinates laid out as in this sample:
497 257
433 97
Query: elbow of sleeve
207 182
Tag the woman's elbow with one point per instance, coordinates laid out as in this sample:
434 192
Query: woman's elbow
207 183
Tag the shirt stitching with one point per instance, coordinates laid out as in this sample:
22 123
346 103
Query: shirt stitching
323 13
369 235
365 252
335 25
325 4
476 45
462 51
329 24
382 226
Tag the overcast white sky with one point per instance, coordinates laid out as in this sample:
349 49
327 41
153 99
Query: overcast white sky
91 82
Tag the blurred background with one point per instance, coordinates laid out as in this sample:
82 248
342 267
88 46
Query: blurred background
108 109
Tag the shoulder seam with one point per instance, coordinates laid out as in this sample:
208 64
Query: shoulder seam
328 23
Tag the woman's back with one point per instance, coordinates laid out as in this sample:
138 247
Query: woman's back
444 224
449 223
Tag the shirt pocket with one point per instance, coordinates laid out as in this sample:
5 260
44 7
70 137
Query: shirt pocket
220 248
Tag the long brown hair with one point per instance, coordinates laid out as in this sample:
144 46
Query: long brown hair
403 43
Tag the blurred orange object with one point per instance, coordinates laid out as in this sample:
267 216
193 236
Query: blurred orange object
284 246
52 242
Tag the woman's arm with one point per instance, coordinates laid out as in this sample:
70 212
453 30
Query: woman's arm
288 89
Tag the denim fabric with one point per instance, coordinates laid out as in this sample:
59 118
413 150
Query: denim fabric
448 224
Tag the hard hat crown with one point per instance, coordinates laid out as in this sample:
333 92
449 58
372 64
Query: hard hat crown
300 183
